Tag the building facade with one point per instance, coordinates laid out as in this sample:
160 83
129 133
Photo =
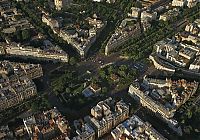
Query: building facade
106 115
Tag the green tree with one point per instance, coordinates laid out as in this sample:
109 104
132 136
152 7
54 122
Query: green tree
34 107
104 90
67 90
18 35
138 4
72 61
102 73
25 35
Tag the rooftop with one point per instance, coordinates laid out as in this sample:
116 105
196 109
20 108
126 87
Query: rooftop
167 95
47 122
135 128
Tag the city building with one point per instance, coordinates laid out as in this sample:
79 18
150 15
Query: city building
135 129
149 4
59 4
16 83
195 65
50 22
177 54
169 15
32 71
163 96
162 65
128 29
50 52
95 87
186 46
106 115
180 52
84 131
22 0
145 25
5 4
5 133
98 0
182 3
92 89
80 37
186 36
87 92
14 25
179 3
114 77
193 28
12 22
14 90
197 21
83 39
192 3
108 1
48 125
148 16
20 132
135 12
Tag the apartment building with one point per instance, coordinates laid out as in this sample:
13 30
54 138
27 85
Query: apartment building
162 65
135 12
108 1
82 39
5 4
192 3
178 54
148 16
182 3
59 4
50 53
193 28
169 15
14 90
195 65
179 3
188 37
122 34
135 128
5 133
48 125
163 97
32 71
181 51
11 23
106 115
156 89
50 22
85 132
